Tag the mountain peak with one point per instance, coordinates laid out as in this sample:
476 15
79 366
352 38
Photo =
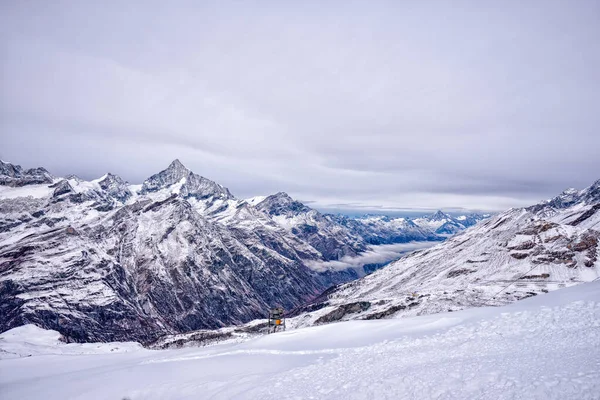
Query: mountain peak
115 186
188 183
282 195
10 170
281 203
110 179
176 164
177 169
439 215
14 175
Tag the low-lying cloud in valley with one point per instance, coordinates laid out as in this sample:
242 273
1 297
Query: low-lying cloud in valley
374 255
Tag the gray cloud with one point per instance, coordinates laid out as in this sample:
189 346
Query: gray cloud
387 105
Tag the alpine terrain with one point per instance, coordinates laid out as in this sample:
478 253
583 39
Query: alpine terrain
517 254
105 260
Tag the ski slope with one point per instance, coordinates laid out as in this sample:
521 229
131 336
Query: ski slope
545 347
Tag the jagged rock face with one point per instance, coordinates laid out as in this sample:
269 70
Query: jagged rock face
322 232
282 204
439 216
60 279
517 254
592 194
14 176
568 198
115 187
62 187
192 185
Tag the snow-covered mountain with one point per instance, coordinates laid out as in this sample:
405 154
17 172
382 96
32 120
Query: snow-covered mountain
516 254
377 229
441 223
104 260
107 260
323 232
14 175
336 236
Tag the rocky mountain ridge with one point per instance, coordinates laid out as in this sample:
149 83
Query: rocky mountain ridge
105 260
14 175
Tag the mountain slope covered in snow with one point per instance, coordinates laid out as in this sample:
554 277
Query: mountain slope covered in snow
516 254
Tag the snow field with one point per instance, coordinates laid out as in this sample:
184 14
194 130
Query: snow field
547 347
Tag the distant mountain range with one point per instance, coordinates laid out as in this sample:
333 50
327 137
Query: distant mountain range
105 260
516 254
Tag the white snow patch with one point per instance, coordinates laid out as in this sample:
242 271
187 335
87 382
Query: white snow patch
30 340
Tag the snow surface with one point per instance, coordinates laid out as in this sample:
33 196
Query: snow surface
546 347
35 191
255 200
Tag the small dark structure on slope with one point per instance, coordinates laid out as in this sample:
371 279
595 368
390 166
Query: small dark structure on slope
276 320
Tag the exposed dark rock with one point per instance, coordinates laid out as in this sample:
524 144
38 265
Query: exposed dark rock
540 276
61 188
115 187
519 256
322 232
13 175
458 272
192 185
343 310
390 311
522 246
586 215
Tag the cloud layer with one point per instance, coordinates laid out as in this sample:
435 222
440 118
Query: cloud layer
381 105
374 255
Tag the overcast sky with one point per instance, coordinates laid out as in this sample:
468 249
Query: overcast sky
354 105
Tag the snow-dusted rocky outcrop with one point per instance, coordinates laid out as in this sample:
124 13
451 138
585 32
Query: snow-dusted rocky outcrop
14 175
516 254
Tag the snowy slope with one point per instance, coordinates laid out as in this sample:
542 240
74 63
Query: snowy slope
541 248
541 348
